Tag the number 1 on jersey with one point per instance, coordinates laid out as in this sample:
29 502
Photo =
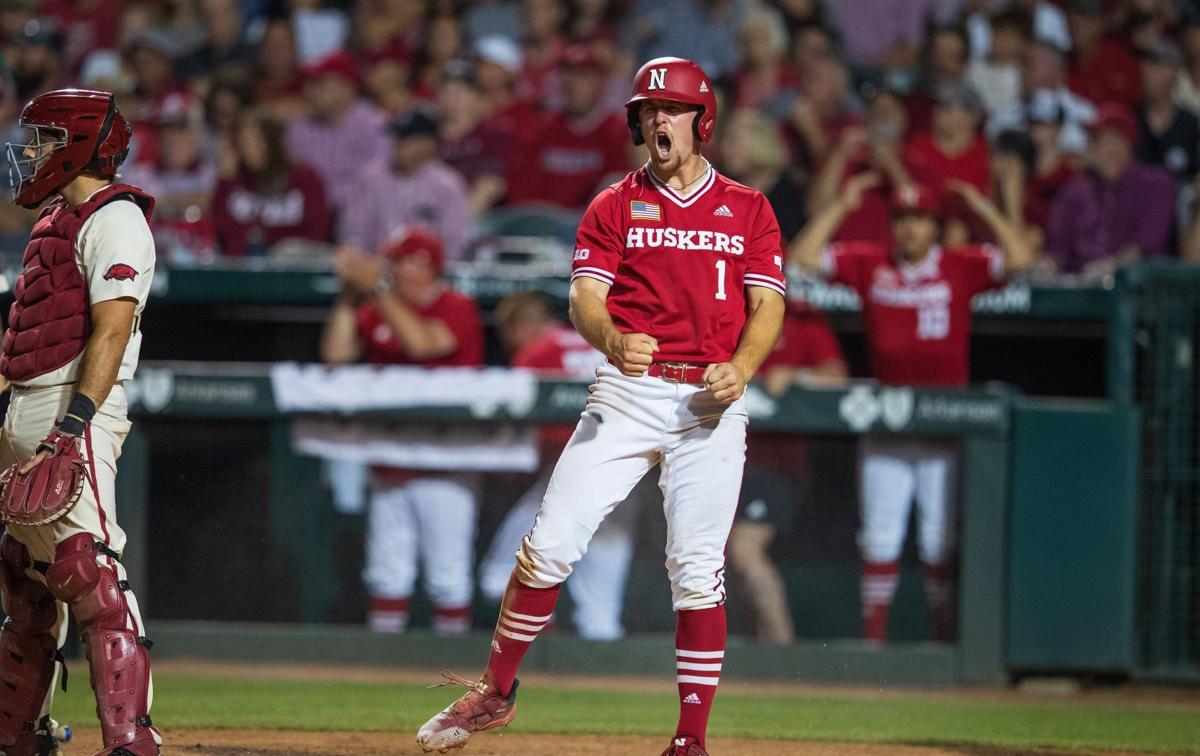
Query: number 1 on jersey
720 279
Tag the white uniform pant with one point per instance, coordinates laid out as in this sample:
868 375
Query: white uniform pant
430 519
896 472
32 413
628 426
597 584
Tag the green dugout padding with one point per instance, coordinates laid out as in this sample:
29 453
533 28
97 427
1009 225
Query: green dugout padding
1072 536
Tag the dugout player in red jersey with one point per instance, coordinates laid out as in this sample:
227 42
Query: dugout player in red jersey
678 280
917 310
394 309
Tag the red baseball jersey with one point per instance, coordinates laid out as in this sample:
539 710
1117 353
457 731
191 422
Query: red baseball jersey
566 161
917 317
805 341
458 311
559 350
678 265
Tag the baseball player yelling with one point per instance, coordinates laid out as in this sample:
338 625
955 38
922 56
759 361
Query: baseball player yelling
73 339
678 281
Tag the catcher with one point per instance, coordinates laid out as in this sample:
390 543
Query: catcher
73 338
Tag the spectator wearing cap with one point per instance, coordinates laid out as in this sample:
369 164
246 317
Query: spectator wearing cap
498 64
340 133
1014 162
575 152
182 180
1102 69
997 76
1116 211
263 197
1053 168
149 56
1044 88
396 309
953 150
704 31
469 142
1168 136
409 187
223 45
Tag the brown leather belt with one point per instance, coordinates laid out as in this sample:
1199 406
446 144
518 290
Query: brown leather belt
678 372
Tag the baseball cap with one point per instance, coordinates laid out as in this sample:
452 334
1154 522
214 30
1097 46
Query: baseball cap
335 64
915 198
415 123
1161 51
1043 107
1113 116
500 50
958 95
177 109
416 241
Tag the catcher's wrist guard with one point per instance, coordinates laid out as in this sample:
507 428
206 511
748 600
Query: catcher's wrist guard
80 412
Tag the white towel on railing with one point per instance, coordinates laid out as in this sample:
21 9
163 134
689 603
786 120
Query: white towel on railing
363 388
479 447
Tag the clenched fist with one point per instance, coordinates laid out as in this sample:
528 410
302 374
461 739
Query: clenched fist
725 380
632 353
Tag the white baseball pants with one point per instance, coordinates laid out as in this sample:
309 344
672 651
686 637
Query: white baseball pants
895 474
628 426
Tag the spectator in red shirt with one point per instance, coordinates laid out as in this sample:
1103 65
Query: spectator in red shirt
953 150
86 25
263 197
471 143
807 353
499 62
578 151
149 57
916 311
395 309
1102 69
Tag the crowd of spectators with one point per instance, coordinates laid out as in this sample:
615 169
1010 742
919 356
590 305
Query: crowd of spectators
289 127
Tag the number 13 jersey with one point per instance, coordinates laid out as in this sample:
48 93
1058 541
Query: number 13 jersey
678 265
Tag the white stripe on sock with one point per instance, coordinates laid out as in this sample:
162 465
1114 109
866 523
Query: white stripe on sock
521 625
698 667
700 654
528 617
697 680
515 636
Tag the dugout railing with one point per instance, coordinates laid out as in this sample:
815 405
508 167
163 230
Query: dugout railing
298 524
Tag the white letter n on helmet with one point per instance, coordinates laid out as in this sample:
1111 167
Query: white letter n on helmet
658 78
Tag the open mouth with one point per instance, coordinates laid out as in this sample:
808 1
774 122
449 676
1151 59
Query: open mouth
662 145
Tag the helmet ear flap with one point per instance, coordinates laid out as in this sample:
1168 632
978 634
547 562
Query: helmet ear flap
631 117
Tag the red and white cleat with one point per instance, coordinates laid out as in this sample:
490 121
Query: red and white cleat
480 708
685 746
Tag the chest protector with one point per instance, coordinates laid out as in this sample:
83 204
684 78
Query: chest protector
50 320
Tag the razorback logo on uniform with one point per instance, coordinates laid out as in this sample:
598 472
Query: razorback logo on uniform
120 272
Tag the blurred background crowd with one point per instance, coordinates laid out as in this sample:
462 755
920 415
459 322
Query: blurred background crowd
284 128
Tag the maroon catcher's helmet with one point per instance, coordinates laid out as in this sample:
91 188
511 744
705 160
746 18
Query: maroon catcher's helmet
85 132
678 80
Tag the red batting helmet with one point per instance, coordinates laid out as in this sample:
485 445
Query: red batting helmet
89 133
678 80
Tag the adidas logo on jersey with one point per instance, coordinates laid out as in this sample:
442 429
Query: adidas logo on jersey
723 211
692 698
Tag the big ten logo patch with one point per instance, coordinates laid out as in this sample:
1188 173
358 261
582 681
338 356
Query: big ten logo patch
582 254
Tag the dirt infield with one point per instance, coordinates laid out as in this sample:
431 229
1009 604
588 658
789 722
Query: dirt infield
291 743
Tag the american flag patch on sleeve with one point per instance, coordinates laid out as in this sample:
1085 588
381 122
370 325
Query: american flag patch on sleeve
639 210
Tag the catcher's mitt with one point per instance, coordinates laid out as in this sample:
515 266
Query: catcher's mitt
47 492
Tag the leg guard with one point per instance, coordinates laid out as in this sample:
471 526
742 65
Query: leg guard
28 649
118 657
